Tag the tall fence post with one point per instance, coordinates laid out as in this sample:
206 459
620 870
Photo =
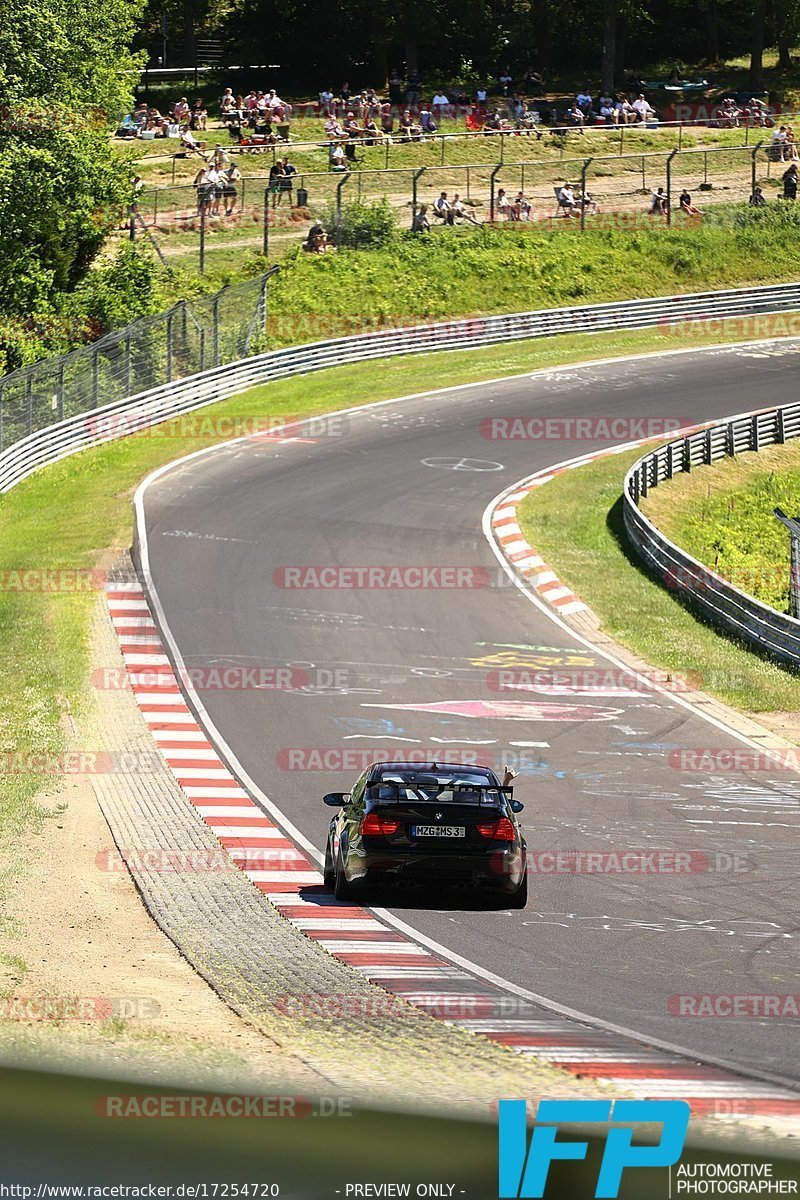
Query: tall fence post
584 169
339 187
414 178
60 401
753 154
669 186
29 399
492 178
2 405
95 378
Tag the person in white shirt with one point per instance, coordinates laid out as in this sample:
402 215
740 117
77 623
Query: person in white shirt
608 110
461 212
480 95
584 102
338 158
440 103
566 199
326 100
778 143
215 177
643 108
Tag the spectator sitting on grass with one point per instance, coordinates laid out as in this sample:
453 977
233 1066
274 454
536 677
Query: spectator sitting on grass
757 198
462 213
574 116
583 101
686 206
778 143
644 110
420 222
181 111
387 120
608 110
338 157
333 130
199 116
426 121
658 206
443 209
317 241
523 206
190 144
372 135
227 103
566 200
790 183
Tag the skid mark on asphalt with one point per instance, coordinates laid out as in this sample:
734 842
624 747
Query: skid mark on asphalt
356 936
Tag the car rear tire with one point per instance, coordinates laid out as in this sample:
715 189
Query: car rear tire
519 898
341 888
329 872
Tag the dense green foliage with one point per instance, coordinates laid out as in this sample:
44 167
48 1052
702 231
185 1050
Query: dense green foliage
464 271
723 516
65 74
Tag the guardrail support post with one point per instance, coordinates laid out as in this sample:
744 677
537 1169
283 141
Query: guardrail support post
730 444
708 448
687 456
781 427
584 169
754 432
169 345
492 178
669 186
215 311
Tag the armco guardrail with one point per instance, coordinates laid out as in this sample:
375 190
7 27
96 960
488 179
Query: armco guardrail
720 603
105 422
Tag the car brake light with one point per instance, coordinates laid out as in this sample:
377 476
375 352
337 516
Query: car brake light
500 831
373 824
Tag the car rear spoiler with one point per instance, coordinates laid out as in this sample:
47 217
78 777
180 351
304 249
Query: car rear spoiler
455 788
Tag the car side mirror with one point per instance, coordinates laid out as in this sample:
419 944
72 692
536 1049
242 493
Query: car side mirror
336 799
516 805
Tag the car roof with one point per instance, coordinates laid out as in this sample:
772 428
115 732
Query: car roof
380 769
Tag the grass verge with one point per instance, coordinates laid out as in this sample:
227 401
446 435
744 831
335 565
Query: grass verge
77 514
579 532
723 516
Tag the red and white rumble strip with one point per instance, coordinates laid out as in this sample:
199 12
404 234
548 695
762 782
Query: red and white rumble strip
523 557
357 937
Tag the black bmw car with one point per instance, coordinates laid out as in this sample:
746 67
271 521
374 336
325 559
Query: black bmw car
431 824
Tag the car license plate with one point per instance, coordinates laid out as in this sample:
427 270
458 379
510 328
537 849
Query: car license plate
443 831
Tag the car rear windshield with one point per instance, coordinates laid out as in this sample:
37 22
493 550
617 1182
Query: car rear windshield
442 788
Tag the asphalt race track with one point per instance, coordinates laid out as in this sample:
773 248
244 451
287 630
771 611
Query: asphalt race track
407 484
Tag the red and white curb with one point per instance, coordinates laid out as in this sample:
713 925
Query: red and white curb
521 556
356 936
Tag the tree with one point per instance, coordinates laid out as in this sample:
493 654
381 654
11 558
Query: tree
756 76
65 75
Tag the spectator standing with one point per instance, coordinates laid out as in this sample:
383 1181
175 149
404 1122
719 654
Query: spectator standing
481 95
325 102
440 104
286 184
395 88
413 88
230 191
275 185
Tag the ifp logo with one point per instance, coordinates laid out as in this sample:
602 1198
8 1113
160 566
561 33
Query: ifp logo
524 1169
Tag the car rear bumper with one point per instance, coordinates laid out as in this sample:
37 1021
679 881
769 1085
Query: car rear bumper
501 870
